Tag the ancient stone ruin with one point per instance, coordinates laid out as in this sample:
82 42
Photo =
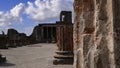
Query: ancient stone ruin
60 32
44 33
96 34
64 54
2 59
14 38
3 41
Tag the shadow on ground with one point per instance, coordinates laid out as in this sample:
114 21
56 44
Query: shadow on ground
6 64
63 62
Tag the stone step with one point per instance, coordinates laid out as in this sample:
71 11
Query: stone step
64 52
63 56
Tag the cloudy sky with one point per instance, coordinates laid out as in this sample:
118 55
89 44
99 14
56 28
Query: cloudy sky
23 15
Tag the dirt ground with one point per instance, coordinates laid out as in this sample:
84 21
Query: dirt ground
32 56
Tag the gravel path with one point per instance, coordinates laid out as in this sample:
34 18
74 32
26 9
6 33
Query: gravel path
32 56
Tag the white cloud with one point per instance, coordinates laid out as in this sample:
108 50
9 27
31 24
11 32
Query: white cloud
47 10
39 11
17 10
12 16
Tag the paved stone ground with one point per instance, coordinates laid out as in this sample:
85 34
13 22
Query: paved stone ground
32 56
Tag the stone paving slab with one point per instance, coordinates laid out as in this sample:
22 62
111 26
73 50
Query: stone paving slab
33 56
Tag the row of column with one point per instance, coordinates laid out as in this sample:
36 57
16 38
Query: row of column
48 34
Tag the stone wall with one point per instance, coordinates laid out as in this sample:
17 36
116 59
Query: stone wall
14 38
95 43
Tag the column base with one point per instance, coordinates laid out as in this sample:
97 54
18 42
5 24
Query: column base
63 57
2 59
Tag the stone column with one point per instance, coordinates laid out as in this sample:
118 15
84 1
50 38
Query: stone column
64 39
47 34
93 34
43 30
83 33
104 40
64 53
52 36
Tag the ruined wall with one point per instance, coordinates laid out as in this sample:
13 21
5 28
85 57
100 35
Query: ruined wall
93 34
14 38
3 40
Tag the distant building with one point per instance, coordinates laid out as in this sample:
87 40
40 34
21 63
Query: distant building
46 33
42 33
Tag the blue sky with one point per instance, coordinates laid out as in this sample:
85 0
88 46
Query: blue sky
23 15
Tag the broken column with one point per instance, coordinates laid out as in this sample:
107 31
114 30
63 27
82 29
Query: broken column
15 38
64 54
2 59
12 34
3 41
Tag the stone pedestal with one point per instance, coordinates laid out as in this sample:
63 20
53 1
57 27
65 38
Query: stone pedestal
2 59
63 57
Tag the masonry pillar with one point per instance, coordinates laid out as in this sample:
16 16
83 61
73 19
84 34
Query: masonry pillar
64 53
94 34
47 35
83 33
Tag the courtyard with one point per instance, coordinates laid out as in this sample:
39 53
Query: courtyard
31 56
